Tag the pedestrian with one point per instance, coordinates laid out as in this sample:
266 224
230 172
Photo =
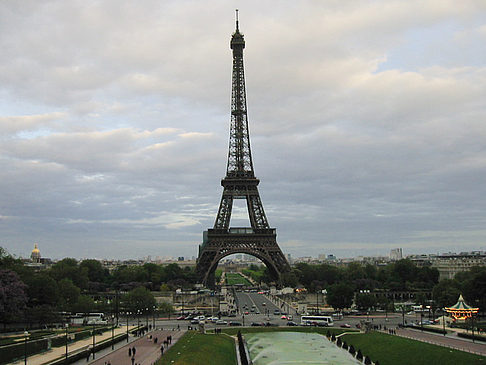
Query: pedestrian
155 340
129 352
134 350
162 349
133 360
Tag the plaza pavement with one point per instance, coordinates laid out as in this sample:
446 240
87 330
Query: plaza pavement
441 340
147 351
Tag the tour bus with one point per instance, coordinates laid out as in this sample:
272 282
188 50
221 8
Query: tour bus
88 318
325 321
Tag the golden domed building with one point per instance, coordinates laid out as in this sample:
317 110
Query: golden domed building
35 256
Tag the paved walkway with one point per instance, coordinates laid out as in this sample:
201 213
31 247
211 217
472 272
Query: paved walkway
57 352
441 340
147 351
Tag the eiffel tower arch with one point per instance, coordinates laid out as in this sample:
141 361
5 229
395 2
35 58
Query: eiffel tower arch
240 182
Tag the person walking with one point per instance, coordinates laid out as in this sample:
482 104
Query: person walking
134 350
129 352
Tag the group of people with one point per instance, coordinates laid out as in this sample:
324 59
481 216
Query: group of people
166 342
131 353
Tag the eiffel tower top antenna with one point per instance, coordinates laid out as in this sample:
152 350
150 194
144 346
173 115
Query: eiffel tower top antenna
237 28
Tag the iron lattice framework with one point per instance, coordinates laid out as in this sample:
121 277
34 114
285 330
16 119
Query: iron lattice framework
240 182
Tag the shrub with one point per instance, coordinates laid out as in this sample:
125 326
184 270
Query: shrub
367 360
352 351
468 335
345 345
339 342
359 355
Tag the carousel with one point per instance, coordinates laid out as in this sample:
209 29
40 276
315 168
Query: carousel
461 311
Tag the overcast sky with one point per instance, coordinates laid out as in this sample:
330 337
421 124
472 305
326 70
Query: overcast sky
367 122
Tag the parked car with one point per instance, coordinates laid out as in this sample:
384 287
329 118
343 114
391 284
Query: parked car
221 322
233 323
194 321
257 324
180 318
345 325
291 323
276 312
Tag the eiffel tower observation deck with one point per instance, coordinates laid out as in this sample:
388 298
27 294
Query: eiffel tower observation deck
240 182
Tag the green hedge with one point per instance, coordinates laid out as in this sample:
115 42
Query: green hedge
468 335
84 354
17 351
428 329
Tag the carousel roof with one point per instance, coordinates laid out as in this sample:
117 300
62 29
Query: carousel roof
461 305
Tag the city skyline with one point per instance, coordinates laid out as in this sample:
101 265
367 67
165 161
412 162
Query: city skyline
366 123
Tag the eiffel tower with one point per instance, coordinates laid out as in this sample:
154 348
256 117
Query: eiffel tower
240 182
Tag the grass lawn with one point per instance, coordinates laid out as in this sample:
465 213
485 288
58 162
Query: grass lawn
394 350
235 278
194 348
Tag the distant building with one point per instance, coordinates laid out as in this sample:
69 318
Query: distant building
396 254
35 256
449 265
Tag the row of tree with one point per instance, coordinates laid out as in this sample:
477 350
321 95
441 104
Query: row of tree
74 286
359 283
34 296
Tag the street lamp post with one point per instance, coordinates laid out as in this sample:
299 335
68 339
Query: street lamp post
66 326
443 321
403 315
422 320
112 332
26 335
472 326
153 317
128 314
146 317
94 342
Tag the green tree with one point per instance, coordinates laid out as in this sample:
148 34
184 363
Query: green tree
340 295
289 279
94 270
85 304
365 301
446 292
69 294
69 268
164 287
42 290
139 299
165 308
13 298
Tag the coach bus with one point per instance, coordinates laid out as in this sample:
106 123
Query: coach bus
324 321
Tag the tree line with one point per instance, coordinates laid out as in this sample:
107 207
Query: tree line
34 296
75 286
